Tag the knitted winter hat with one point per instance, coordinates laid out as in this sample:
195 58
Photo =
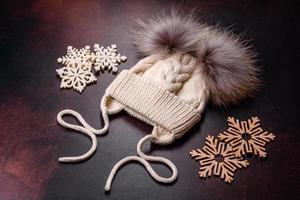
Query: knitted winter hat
187 64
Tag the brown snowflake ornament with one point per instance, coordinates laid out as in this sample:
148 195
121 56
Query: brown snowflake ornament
217 158
246 136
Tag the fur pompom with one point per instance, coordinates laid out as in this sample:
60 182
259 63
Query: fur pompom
168 34
229 67
228 64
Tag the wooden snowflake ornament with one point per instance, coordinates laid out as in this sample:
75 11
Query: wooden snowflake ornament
217 158
246 136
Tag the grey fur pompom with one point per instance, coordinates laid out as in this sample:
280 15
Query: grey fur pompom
228 64
168 33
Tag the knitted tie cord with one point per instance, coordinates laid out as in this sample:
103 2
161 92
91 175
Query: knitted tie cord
143 159
186 64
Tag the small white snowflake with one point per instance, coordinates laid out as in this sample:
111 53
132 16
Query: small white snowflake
82 56
107 58
76 76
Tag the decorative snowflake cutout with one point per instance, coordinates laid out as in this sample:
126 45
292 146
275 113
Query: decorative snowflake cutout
77 64
76 76
218 158
246 136
107 58
82 56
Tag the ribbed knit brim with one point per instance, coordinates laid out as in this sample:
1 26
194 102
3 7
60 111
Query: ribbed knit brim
146 100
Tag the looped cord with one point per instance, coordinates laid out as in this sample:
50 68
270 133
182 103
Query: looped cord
143 159
85 128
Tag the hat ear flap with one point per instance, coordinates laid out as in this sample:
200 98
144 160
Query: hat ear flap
229 66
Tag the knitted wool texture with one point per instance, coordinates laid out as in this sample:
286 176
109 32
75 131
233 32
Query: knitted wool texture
170 87
150 92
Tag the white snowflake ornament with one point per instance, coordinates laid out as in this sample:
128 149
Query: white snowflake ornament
107 58
77 65
76 76
82 56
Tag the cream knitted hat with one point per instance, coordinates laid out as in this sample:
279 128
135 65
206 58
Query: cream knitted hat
187 64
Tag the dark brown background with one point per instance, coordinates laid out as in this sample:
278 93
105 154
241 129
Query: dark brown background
34 33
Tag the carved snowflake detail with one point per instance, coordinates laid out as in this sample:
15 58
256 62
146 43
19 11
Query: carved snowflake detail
107 58
82 56
77 65
76 76
246 136
217 158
